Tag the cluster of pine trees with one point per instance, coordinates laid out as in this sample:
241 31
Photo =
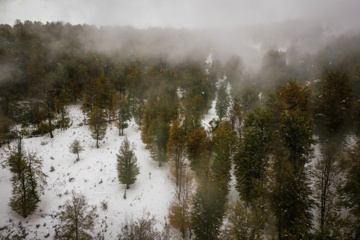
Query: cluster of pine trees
265 135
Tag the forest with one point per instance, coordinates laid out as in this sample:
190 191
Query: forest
286 131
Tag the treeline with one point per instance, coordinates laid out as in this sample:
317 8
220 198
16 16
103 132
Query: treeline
269 123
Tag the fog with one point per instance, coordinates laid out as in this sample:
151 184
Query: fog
182 13
181 29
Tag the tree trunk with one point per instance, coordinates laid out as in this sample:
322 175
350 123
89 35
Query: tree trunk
76 223
50 128
24 195
97 138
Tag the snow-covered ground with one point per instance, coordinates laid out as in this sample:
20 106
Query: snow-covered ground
95 176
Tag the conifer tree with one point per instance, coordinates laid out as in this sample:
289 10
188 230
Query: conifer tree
351 188
333 105
222 103
123 112
77 219
291 193
198 145
28 181
61 102
176 151
98 124
48 102
236 116
224 142
251 160
76 148
208 210
5 129
127 166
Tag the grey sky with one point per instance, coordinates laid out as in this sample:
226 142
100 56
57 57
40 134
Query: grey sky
180 13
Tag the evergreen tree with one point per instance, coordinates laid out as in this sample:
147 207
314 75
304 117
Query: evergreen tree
77 219
123 112
290 192
76 148
5 129
48 102
208 210
60 105
224 142
198 147
28 181
160 138
127 166
248 96
236 115
351 188
251 160
333 105
222 103
98 124
234 70
176 151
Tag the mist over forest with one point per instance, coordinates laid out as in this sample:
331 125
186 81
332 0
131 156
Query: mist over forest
254 127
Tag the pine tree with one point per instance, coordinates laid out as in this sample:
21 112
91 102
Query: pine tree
5 129
224 142
76 148
236 116
28 181
251 160
198 145
77 219
291 192
222 103
127 166
351 188
98 124
176 151
333 105
208 210
123 112
61 102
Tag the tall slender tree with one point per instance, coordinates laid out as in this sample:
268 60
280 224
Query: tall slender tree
28 181
176 151
222 103
122 112
180 208
98 124
252 157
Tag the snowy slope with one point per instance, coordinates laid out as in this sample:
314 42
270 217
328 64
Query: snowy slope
95 176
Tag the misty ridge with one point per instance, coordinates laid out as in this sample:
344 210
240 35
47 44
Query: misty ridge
250 43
